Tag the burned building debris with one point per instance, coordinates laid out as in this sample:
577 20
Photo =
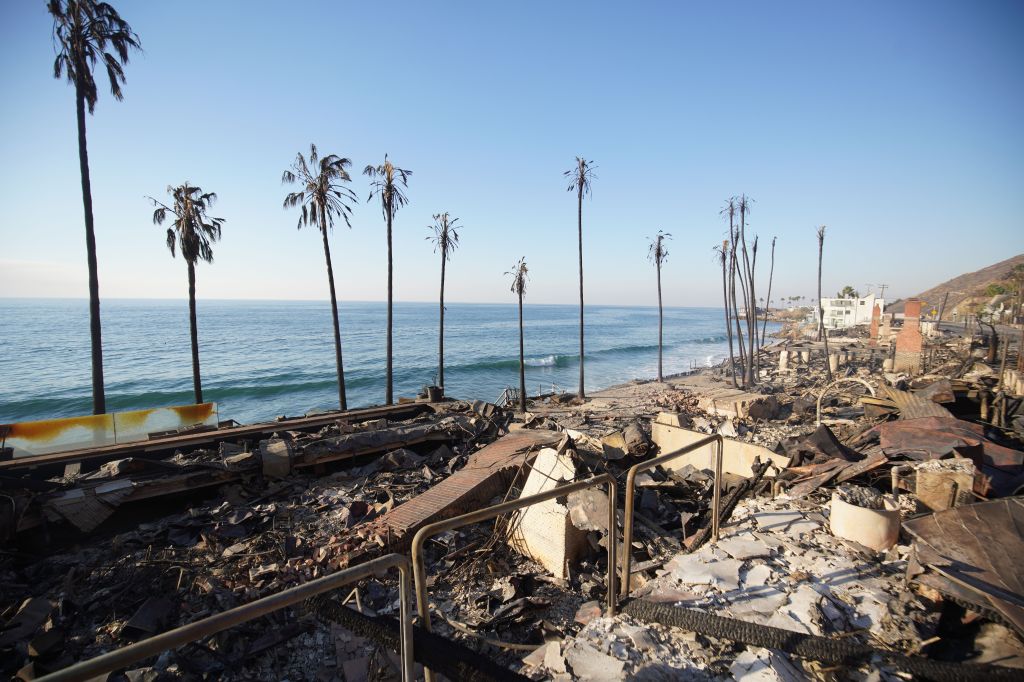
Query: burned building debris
863 528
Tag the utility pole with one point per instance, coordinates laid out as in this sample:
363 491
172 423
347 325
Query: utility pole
881 287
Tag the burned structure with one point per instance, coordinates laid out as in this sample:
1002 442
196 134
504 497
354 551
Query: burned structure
796 528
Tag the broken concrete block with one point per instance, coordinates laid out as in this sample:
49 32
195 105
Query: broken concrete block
544 531
276 455
590 664
737 457
588 510
614 445
764 408
941 483
553 660
744 546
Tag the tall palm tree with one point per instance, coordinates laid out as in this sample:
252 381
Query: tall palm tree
822 334
657 254
387 183
85 32
193 231
519 278
323 197
446 239
580 177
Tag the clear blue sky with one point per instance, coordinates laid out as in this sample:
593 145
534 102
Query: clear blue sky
897 124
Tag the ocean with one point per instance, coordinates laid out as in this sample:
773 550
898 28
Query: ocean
262 359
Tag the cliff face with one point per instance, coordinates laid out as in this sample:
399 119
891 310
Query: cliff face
967 286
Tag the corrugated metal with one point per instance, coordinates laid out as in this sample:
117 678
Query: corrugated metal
913 406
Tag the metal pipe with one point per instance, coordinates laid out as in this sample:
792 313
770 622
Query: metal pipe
133 653
627 528
419 567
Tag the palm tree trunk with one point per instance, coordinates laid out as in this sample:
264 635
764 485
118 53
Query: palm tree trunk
660 322
388 395
728 323
342 398
822 334
579 214
440 338
197 383
99 402
733 262
522 359
768 299
748 295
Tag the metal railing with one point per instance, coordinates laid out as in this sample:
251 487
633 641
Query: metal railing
627 528
419 568
133 653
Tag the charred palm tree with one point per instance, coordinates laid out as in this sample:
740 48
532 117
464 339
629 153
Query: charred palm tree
446 239
193 231
729 211
723 255
519 278
822 334
323 197
580 177
657 254
771 274
85 32
751 302
386 183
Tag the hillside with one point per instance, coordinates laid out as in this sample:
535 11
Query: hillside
962 288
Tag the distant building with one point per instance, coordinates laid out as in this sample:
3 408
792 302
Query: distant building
847 312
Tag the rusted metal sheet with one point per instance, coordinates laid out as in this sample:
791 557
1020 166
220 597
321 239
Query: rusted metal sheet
939 437
915 406
28 439
974 552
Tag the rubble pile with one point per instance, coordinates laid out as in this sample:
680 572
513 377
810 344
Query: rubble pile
877 513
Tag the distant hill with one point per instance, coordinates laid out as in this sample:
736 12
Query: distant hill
968 286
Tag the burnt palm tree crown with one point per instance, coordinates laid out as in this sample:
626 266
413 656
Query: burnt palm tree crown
446 239
520 276
85 32
387 181
323 197
192 232
580 177
657 254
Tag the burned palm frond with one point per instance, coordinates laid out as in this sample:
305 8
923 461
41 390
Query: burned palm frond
192 230
386 183
323 195
84 33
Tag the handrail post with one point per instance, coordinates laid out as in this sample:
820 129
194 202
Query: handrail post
627 527
487 513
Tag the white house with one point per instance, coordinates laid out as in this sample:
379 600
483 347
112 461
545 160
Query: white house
847 312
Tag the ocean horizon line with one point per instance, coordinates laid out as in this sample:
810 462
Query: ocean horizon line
85 299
